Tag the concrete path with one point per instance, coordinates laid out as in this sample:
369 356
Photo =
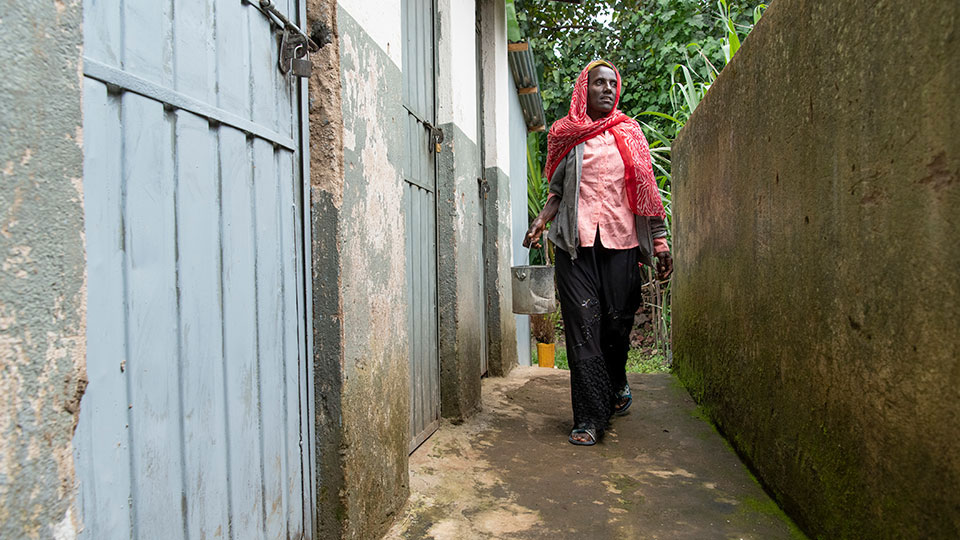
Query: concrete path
509 472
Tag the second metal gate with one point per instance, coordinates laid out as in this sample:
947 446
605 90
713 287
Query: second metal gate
420 200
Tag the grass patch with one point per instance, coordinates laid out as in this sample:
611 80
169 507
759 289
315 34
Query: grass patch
560 360
640 362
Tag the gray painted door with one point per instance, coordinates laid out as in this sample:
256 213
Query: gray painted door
195 421
420 202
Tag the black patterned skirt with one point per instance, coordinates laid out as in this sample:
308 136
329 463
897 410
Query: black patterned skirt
600 291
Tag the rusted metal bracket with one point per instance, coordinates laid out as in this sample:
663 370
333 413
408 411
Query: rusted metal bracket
295 45
294 54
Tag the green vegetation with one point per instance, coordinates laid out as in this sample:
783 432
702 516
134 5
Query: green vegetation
645 39
560 360
667 52
751 507
638 362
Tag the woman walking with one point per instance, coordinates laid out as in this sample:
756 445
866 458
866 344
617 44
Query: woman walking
608 218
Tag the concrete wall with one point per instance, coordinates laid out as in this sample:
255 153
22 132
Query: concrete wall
518 211
42 274
460 274
459 213
360 305
373 276
498 248
817 294
361 346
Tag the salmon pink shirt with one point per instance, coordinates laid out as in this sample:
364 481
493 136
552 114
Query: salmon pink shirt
603 203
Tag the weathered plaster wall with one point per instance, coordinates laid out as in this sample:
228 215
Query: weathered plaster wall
459 212
501 327
359 282
518 212
460 274
817 294
326 201
42 273
381 22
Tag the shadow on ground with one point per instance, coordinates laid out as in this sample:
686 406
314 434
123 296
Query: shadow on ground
662 471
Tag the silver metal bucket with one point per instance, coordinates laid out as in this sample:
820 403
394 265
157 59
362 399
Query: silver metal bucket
533 291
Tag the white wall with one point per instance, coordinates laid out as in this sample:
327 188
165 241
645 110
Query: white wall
381 20
496 114
517 152
458 52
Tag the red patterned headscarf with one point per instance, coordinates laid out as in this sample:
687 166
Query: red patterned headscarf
643 196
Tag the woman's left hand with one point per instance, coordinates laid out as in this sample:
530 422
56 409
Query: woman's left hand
664 265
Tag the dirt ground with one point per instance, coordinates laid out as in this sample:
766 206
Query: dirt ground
662 471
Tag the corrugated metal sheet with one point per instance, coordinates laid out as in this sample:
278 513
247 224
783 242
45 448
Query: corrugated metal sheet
524 72
197 403
419 76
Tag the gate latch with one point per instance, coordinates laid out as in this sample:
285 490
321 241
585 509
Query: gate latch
295 46
436 137
294 54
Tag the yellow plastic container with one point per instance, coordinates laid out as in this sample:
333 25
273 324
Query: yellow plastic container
545 353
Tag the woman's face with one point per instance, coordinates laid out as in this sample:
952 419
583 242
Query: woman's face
601 91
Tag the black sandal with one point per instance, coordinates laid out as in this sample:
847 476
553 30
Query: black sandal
620 409
590 432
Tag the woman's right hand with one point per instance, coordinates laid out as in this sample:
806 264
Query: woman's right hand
540 222
534 232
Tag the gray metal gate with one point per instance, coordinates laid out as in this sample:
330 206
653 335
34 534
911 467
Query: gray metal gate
195 423
420 174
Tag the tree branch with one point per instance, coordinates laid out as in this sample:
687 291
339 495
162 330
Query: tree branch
569 27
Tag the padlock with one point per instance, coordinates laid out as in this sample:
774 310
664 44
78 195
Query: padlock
302 67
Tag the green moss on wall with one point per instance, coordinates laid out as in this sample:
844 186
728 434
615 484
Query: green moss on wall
816 304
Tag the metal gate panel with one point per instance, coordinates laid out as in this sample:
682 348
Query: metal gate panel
420 211
201 358
418 58
420 204
240 332
195 421
152 359
102 437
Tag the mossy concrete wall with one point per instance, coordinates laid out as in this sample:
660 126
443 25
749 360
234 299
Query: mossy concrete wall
42 268
326 200
459 274
460 212
498 256
376 353
817 296
497 86
359 284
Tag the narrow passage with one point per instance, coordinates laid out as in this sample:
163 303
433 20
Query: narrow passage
662 471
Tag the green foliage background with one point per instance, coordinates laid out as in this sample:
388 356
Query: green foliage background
645 39
668 53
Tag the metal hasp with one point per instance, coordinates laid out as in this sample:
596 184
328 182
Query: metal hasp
436 136
293 54
295 46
